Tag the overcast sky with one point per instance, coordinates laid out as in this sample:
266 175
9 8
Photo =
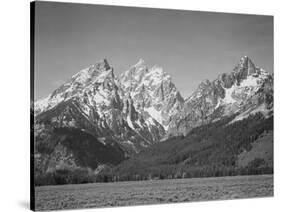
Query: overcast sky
190 46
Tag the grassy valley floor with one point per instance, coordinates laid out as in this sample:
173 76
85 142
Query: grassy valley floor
152 192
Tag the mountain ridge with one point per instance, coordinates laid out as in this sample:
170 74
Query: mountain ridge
125 115
230 93
152 92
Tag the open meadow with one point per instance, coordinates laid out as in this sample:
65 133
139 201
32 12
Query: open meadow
152 192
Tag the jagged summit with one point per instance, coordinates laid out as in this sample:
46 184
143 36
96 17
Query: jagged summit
94 100
140 62
111 118
101 64
106 62
91 72
82 82
245 73
245 90
246 67
135 71
141 70
152 91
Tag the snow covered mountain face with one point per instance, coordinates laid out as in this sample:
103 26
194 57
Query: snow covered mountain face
246 90
152 92
93 100
96 118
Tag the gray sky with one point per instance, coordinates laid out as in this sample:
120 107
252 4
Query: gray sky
190 46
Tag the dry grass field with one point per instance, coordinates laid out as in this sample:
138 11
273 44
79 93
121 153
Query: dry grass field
152 192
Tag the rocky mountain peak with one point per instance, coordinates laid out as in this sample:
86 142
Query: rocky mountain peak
140 63
102 65
152 91
82 85
204 84
122 117
148 94
242 91
90 74
99 104
135 73
245 68
245 61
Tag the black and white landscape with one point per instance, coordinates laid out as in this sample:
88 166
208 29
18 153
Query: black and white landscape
97 127
108 139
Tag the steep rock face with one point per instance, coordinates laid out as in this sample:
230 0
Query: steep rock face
95 119
153 92
94 103
246 90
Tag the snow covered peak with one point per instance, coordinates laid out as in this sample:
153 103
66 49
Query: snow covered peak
85 81
134 73
152 91
140 76
245 67
102 65
141 62
245 61
91 72
94 100
245 90
138 67
140 73
244 75
204 83
244 58
158 70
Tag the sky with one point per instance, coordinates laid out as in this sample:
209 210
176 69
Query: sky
191 46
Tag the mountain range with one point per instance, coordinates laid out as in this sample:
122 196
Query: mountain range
96 120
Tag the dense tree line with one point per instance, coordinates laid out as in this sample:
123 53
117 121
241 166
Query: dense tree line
207 151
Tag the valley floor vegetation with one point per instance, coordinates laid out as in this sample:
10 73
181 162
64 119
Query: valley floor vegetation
210 150
152 192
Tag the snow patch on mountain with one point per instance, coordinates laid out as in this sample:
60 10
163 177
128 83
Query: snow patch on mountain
156 115
153 91
260 109
228 99
130 123
147 100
